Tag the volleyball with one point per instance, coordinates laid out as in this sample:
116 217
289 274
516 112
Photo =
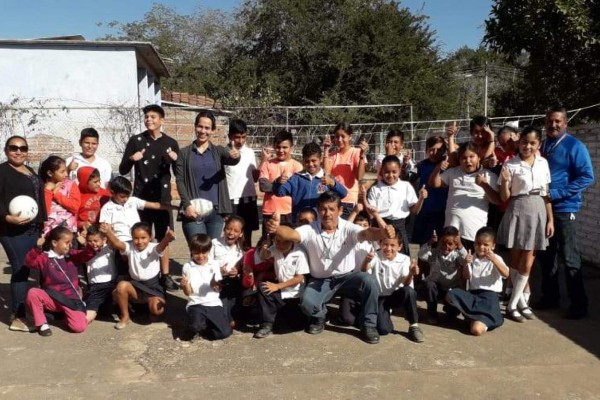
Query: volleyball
203 207
23 206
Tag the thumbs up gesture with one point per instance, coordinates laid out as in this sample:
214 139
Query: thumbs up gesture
452 130
469 257
423 194
138 155
414 267
170 234
273 223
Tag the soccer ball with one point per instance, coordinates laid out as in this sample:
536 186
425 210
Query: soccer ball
203 207
23 206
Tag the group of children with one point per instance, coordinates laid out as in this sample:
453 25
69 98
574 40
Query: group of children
456 265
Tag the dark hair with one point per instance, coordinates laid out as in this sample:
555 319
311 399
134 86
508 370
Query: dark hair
343 126
486 231
557 109
154 108
55 234
449 231
94 230
390 160
480 120
143 226
329 197
395 133
242 222
506 128
467 146
308 210
362 216
120 185
50 164
432 141
200 243
13 137
398 237
529 129
237 126
88 132
282 136
95 174
311 149
209 115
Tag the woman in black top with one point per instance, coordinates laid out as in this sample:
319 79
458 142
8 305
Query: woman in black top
19 234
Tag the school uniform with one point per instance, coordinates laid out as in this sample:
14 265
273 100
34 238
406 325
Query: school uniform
204 308
229 257
102 278
122 217
481 302
242 190
524 223
286 267
144 269
393 204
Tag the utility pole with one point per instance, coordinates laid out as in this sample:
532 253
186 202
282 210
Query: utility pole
485 91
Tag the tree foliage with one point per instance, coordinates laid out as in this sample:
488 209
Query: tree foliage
560 40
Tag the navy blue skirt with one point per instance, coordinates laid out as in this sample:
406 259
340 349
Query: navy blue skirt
478 305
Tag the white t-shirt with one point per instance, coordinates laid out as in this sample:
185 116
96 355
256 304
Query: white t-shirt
443 269
145 264
467 205
330 254
393 201
224 254
101 164
286 267
389 274
362 250
240 180
200 277
484 275
525 178
101 268
122 217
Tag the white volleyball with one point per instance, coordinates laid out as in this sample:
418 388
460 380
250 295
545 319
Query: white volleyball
203 207
23 206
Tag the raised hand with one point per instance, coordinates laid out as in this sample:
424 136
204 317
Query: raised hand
452 130
172 155
327 180
170 234
327 142
184 280
234 153
423 193
273 223
72 165
364 147
505 175
138 155
414 267
406 159
481 179
469 257
445 164
390 232
434 238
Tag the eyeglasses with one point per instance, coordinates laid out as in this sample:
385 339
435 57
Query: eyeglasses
14 148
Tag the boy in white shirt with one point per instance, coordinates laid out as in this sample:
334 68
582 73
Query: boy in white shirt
290 266
87 158
394 274
200 282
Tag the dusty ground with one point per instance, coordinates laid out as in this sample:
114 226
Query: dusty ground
546 359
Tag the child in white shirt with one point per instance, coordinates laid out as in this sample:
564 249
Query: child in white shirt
394 274
290 265
484 272
200 282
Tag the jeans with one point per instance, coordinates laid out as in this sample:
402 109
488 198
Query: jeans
563 250
211 225
16 247
358 285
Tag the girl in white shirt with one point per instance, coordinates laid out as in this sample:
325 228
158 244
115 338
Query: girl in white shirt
484 273
528 223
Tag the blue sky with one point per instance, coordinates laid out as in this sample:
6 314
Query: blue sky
457 22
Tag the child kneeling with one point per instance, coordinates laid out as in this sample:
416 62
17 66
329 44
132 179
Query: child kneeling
484 273
200 282
290 266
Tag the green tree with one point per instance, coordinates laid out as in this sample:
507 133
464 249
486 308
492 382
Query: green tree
560 40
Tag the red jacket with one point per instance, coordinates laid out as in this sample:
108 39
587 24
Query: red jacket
260 272
91 202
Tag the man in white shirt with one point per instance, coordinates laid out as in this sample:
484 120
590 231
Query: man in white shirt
330 244
87 158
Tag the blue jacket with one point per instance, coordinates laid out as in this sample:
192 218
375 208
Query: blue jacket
571 172
304 190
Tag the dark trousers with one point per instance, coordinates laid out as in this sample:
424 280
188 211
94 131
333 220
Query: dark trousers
231 288
16 247
425 224
400 226
271 305
563 250
359 285
209 320
435 293
405 297
160 219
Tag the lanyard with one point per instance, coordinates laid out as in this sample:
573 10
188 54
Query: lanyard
327 247
550 151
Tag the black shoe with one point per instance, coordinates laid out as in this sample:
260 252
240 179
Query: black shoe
576 313
316 326
370 334
545 305
168 283
45 332
416 334
266 328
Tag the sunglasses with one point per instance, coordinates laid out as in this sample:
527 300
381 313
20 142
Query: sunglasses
14 148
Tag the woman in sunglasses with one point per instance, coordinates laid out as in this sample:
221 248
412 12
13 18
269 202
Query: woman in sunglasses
18 234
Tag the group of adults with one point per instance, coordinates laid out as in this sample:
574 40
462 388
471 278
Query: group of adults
201 174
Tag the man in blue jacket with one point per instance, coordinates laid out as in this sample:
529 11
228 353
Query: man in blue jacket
571 172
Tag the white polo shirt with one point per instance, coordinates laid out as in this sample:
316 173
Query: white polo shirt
200 277
389 274
101 268
330 253
286 267
485 275
240 181
145 264
393 201
525 178
122 217
101 164
224 254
